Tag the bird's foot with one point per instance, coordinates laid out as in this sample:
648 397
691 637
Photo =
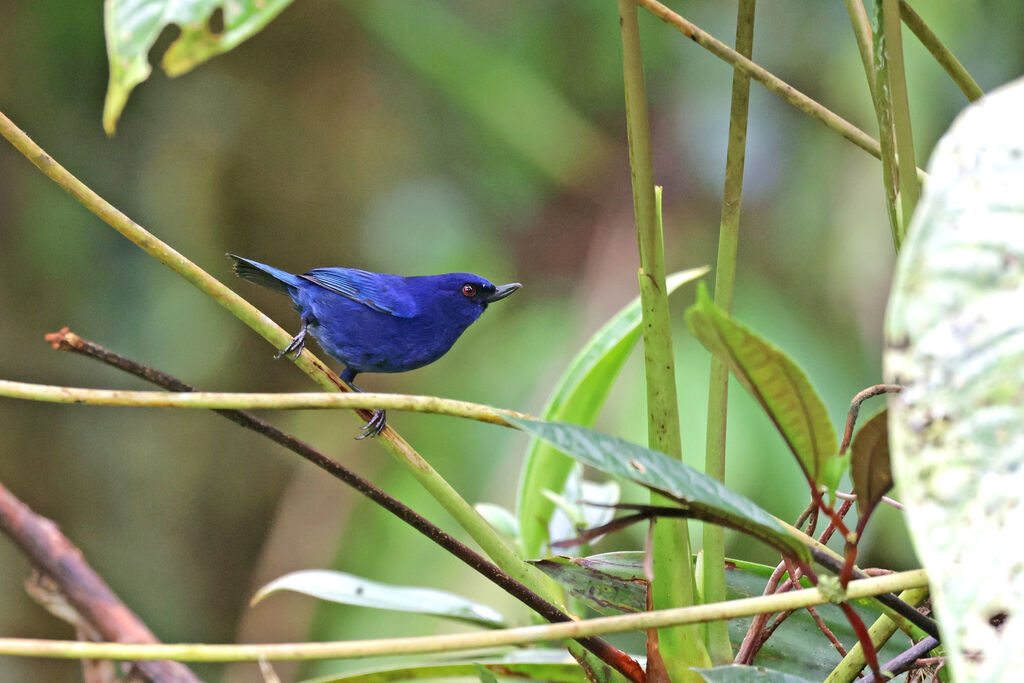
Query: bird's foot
375 426
296 345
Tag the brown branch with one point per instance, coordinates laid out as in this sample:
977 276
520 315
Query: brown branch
851 418
54 556
69 341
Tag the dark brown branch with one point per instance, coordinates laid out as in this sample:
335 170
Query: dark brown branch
54 556
69 341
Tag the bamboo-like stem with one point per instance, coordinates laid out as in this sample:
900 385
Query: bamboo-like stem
769 80
214 400
464 641
673 582
946 59
865 40
717 633
489 540
892 44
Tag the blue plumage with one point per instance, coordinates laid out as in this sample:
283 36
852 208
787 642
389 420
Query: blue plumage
375 322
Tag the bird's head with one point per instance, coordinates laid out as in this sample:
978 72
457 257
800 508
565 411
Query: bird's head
467 294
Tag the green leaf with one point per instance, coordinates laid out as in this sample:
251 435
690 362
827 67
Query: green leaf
734 673
778 384
609 584
347 589
869 463
955 342
578 397
133 26
703 496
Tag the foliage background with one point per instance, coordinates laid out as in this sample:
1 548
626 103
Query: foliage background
367 134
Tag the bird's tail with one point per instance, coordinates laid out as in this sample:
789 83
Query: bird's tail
267 276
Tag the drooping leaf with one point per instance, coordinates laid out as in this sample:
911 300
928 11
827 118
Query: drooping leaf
777 383
532 664
133 26
347 589
578 397
869 463
703 496
609 584
955 342
734 673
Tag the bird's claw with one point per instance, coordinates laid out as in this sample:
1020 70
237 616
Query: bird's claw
297 344
374 426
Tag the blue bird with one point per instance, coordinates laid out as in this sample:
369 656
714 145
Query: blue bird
375 322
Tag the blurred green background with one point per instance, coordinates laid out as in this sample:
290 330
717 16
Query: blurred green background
412 137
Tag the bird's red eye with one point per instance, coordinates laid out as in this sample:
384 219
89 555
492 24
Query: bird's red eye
468 290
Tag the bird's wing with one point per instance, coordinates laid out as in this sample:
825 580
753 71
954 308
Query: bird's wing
381 292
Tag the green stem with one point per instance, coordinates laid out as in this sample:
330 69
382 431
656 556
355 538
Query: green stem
886 133
673 583
946 59
489 540
767 79
213 400
717 635
909 187
524 635
865 40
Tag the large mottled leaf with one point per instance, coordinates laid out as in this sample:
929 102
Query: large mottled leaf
955 341
734 673
347 589
777 383
869 463
613 583
132 27
702 496
531 664
578 397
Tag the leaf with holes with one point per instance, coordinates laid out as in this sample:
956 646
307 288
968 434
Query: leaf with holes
869 463
133 26
777 383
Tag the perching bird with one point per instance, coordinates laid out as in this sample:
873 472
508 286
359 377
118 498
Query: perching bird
375 322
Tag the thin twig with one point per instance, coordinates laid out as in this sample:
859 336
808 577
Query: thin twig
522 635
827 631
946 59
69 341
56 557
906 660
775 84
851 417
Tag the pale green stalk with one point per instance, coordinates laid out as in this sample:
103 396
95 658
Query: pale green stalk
673 583
909 187
767 79
523 635
946 59
713 589
865 39
239 401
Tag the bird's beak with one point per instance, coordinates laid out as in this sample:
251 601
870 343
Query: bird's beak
501 291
